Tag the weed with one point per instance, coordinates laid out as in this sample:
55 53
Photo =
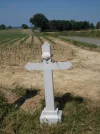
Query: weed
78 118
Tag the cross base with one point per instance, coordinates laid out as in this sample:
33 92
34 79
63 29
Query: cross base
51 117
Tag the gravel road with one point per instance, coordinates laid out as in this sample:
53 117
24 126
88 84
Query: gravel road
95 41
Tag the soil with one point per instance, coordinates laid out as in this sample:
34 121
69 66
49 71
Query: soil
27 31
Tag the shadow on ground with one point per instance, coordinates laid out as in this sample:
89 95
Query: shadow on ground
29 94
67 97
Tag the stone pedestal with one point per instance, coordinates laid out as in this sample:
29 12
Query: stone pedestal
51 117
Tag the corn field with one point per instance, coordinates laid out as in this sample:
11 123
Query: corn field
17 47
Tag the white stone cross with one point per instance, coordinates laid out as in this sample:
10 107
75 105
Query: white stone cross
50 114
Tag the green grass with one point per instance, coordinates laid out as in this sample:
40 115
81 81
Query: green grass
85 33
49 40
11 33
46 37
19 91
11 36
22 41
78 118
7 40
38 36
83 45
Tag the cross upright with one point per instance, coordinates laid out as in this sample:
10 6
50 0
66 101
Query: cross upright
50 114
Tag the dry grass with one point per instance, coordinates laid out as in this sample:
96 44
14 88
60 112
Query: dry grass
82 80
78 118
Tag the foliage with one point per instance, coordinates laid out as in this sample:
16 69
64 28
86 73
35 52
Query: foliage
5 109
92 26
24 26
40 21
2 27
62 25
9 27
98 25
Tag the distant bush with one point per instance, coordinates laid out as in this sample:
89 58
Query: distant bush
2 27
98 25
24 26
9 27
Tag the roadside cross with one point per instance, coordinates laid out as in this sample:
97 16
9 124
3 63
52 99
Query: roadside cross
50 114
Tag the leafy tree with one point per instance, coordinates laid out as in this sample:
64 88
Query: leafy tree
92 26
98 25
9 27
86 25
72 23
24 26
80 25
53 25
40 21
76 26
2 27
59 25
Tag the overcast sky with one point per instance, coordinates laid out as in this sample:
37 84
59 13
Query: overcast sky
17 12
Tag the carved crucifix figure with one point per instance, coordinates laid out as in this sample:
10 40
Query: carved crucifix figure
50 114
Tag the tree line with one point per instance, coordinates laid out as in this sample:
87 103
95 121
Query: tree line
40 21
4 27
61 25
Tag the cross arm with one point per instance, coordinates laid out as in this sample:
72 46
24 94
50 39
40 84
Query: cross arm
34 66
61 65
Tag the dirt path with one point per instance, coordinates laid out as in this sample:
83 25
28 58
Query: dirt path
37 41
27 31
37 49
83 79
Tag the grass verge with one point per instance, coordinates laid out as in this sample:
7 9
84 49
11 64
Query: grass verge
83 45
84 33
78 118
